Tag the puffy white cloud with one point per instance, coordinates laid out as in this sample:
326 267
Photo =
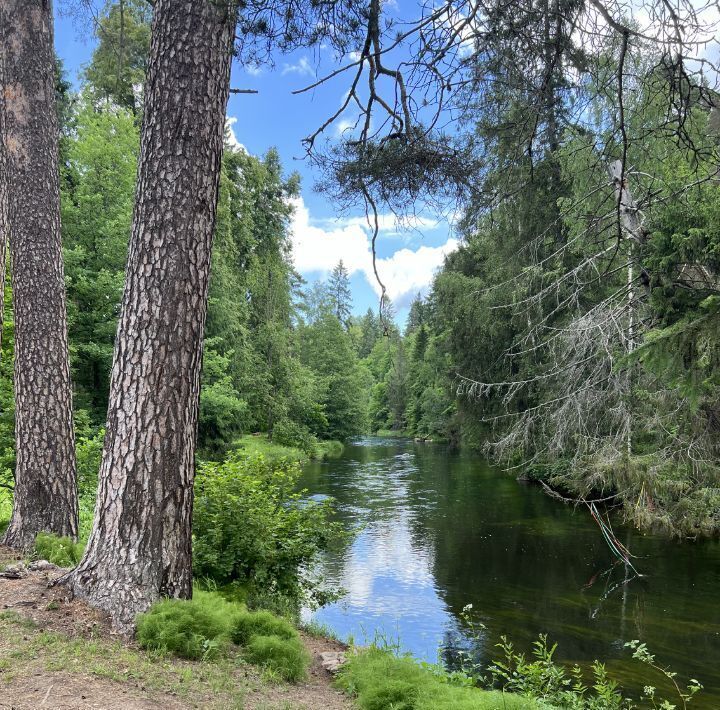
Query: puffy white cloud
408 271
319 245
230 121
318 249
302 67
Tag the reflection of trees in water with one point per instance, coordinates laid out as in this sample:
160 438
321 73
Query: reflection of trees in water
526 563
460 650
371 486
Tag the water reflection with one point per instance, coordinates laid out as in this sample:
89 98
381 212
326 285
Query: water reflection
441 530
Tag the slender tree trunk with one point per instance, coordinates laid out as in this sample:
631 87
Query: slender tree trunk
140 545
635 235
45 480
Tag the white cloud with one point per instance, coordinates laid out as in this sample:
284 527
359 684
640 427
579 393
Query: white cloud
253 69
388 223
230 121
317 249
345 124
408 271
302 67
318 246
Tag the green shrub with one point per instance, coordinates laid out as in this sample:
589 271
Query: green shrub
197 628
61 551
252 527
260 623
88 450
289 433
378 679
285 656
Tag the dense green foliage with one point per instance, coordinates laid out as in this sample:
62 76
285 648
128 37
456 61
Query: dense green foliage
380 679
263 370
253 528
565 348
247 624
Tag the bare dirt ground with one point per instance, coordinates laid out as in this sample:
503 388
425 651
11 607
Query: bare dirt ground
58 653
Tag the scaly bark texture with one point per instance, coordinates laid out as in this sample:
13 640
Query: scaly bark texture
45 480
4 185
140 545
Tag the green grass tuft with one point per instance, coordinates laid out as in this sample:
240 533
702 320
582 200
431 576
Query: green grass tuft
260 623
286 657
61 551
197 628
395 694
381 680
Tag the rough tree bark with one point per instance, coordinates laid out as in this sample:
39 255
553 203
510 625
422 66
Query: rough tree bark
4 186
45 481
140 545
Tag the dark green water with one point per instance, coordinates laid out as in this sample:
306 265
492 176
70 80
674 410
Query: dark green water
442 530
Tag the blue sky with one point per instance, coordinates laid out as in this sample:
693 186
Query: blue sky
274 117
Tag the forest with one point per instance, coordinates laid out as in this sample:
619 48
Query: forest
168 376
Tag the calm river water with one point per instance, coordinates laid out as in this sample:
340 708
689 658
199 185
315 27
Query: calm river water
441 530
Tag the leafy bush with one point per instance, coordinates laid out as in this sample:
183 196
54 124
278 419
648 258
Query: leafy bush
541 677
251 526
289 433
285 656
197 628
88 451
61 551
260 623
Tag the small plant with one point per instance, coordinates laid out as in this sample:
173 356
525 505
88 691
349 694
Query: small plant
260 623
198 628
641 653
286 657
61 551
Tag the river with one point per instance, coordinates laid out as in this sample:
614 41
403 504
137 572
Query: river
439 530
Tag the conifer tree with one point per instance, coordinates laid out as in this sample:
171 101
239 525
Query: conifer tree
45 493
340 294
140 545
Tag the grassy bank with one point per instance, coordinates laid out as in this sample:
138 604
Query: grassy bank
272 451
209 653
379 681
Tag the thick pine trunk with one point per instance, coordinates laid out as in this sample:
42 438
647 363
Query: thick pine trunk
4 186
140 545
45 479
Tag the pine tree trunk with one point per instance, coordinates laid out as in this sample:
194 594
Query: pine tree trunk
45 480
4 186
140 545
